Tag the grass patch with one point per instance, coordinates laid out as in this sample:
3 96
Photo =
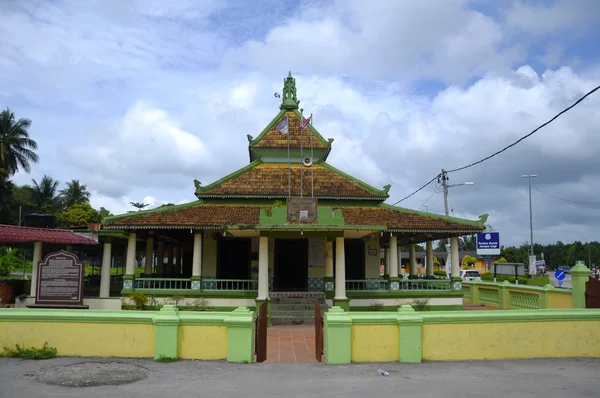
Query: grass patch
164 359
30 353
538 280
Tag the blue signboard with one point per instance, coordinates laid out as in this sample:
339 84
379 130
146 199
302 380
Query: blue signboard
559 275
488 243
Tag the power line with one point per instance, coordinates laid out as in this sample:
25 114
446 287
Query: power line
504 149
566 200
408 196
528 135
427 200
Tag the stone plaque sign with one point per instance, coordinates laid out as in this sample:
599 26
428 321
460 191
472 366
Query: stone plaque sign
302 210
60 281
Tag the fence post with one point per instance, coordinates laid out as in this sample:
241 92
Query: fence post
409 335
545 296
580 274
338 327
474 293
504 295
240 335
166 328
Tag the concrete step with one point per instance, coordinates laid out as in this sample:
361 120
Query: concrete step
296 300
291 306
292 321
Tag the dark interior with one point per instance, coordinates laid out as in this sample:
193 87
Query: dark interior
291 265
233 258
354 252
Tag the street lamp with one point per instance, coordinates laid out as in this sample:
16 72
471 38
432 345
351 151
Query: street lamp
445 185
529 177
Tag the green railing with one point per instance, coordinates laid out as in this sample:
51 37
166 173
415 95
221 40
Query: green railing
229 284
368 284
524 300
162 284
508 296
426 284
407 284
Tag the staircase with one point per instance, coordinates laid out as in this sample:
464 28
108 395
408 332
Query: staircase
295 307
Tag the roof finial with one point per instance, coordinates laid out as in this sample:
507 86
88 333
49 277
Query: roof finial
289 99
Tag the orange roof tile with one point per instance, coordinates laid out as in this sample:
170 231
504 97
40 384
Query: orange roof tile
397 220
201 215
271 179
274 139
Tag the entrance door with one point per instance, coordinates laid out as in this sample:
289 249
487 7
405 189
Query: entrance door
354 255
233 258
291 265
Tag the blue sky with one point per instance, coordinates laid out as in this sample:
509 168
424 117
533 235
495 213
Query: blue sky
136 99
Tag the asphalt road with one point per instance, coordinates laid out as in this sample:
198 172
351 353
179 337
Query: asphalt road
490 379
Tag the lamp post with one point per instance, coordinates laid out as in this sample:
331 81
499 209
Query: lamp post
529 177
445 185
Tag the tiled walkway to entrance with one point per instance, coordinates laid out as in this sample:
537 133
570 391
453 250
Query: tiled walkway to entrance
291 343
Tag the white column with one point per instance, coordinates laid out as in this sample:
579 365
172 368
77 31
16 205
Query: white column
263 268
386 260
37 257
399 259
149 250
429 249
160 257
130 262
454 257
340 269
412 260
393 257
197 256
105 271
328 259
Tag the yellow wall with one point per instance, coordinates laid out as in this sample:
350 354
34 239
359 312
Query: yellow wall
560 300
511 340
82 339
206 342
374 343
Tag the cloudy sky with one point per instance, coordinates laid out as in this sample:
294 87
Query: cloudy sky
138 98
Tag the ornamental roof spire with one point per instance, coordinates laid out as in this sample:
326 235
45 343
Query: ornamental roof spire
289 99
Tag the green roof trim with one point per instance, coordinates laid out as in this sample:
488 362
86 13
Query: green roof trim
383 193
216 184
164 209
476 223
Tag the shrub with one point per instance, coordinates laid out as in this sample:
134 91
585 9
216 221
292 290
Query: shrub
9 262
30 353
376 306
140 300
419 304
202 304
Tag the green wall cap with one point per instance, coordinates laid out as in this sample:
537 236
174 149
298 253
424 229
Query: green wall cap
76 316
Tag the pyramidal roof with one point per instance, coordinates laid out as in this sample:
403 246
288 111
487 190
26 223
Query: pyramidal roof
284 130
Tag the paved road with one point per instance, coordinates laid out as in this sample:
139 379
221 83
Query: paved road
490 379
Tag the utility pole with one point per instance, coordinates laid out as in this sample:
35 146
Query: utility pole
444 178
529 177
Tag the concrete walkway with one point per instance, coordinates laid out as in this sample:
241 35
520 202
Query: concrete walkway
547 378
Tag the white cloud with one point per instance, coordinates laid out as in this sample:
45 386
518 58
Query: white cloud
138 99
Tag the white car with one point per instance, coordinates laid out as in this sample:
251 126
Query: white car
470 275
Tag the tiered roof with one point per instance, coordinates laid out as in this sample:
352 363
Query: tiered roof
276 171
11 234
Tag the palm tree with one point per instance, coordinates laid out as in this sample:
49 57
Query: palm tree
44 193
16 148
75 193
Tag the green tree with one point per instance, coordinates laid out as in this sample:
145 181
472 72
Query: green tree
501 260
45 194
139 205
74 193
469 260
22 203
78 215
9 261
104 213
16 148
6 188
468 243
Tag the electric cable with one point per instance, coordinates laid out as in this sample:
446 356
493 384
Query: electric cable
566 200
